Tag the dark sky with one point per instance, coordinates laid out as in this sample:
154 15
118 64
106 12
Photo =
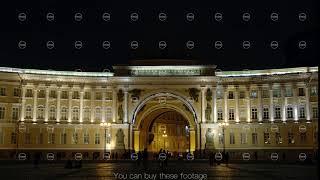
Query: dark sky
148 31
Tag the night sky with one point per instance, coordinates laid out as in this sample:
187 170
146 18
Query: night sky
148 31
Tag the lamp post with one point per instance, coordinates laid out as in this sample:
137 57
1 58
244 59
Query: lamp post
223 126
106 127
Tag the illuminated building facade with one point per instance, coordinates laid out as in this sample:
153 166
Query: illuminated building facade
179 108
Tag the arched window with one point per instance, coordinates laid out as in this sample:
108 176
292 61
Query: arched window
40 112
63 114
86 114
52 114
98 114
75 113
28 112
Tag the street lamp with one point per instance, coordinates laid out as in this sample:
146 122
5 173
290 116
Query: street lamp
223 126
164 135
106 126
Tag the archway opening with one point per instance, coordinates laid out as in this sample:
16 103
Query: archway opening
165 129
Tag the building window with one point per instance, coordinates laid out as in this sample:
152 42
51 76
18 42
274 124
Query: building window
314 91
303 138
265 113
220 114
1 137
98 96
40 138
289 92
243 138
253 94
231 114
301 92
75 113
51 138
64 95
29 93
219 94
63 114
265 93
220 138
28 112
16 92
75 95
2 91
254 138
87 95
2 112
276 93
63 138
27 138
53 94
277 112
74 139
278 138
266 137
15 113
109 95
230 96
40 112
86 114
289 112
52 114
315 112
232 138
108 114
13 138
97 114
242 94
97 138
302 112
41 93
254 113
290 138
86 138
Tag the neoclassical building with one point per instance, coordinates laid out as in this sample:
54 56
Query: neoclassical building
141 106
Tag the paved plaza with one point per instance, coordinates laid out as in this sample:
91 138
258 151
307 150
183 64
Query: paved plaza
174 170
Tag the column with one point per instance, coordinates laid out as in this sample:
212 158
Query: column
35 98
136 139
237 104
192 135
23 103
203 105
46 113
58 104
92 105
125 105
114 104
271 103
81 106
103 109
295 101
248 103
307 102
214 99
69 105
225 98
283 103
260 106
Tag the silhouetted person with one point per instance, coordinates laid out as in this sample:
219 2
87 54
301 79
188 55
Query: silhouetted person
284 156
116 156
211 159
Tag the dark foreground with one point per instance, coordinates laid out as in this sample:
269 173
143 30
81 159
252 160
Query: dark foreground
174 170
